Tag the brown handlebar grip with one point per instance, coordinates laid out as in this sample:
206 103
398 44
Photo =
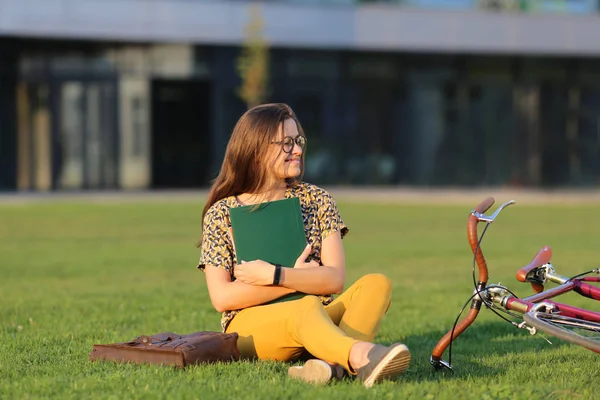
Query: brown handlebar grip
542 257
441 346
485 205
460 327
473 240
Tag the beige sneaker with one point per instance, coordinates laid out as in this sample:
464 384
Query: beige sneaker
384 363
317 372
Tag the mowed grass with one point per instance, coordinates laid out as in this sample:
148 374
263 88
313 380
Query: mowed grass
75 274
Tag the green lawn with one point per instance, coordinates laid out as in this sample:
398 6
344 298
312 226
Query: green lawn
80 273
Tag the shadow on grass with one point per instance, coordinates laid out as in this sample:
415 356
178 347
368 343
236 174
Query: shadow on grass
481 341
485 350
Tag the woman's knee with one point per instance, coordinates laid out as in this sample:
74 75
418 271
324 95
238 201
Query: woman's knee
310 301
379 287
377 280
306 307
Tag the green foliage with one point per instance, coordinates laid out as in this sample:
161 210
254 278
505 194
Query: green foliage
78 274
253 62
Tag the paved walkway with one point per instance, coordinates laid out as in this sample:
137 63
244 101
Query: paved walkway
399 195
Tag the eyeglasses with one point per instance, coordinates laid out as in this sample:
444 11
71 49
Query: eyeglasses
287 144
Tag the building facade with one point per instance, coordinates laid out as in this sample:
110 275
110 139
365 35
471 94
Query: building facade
143 94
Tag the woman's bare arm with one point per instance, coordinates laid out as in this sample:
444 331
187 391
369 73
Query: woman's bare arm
226 295
326 279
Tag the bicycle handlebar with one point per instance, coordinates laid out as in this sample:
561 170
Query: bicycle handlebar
542 257
473 239
484 205
475 217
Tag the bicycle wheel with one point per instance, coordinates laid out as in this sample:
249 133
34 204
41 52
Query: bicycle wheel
574 330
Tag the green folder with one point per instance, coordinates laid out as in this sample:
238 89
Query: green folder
272 232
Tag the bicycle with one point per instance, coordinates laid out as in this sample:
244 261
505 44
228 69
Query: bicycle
537 312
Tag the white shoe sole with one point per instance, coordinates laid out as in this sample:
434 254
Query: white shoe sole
394 363
317 372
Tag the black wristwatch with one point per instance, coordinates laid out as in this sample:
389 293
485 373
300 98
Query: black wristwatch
277 274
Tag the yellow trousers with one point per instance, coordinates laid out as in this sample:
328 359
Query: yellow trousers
284 331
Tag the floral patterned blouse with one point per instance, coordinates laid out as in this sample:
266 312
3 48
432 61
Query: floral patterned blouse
320 215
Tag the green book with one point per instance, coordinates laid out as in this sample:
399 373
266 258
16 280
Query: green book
272 232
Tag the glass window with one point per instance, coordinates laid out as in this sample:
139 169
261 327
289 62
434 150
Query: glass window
71 132
134 143
588 143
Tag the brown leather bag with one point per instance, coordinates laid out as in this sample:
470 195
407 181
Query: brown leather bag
172 349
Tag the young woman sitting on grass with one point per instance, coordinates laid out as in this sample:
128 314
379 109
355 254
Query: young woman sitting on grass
264 161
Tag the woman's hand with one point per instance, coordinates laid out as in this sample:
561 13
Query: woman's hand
255 272
301 260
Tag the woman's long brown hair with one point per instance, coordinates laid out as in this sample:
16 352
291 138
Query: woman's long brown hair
244 168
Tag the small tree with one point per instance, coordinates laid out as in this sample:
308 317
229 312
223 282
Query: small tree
253 62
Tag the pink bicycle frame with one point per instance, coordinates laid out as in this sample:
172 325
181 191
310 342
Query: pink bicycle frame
577 285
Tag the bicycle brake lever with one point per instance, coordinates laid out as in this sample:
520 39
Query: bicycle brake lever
491 218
